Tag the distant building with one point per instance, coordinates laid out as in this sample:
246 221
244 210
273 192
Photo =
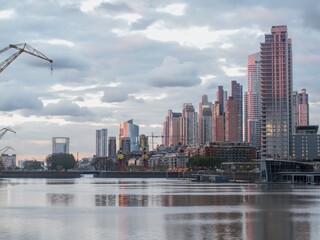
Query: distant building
237 95
205 121
226 152
301 108
189 124
218 123
129 130
8 160
60 145
305 143
125 144
172 129
232 121
143 143
253 102
112 147
101 142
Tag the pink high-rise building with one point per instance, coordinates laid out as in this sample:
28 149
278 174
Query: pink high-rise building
253 102
218 125
205 121
232 120
172 129
276 94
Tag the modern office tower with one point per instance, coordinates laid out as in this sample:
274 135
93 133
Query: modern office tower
112 147
305 143
60 145
205 121
172 132
131 130
221 98
189 124
143 143
237 94
301 108
232 121
253 102
101 142
218 123
125 143
165 131
276 94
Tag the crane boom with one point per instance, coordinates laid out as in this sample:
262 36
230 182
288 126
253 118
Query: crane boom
21 47
3 131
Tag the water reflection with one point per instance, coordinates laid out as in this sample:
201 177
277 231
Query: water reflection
60 199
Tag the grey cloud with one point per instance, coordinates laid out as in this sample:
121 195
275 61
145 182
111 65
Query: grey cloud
114 7
66 108
115 94
17 99
171 73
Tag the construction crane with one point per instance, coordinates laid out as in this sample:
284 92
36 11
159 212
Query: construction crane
3 150
21 47
3 131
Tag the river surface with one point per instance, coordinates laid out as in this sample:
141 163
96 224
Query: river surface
148 209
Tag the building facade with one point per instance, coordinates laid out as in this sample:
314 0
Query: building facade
102 142
205 121
189 125
276 94
301 108
253 102
237 95
218 123
129 130
112 147
60 145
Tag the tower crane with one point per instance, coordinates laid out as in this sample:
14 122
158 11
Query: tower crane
21 47
3 150
3 131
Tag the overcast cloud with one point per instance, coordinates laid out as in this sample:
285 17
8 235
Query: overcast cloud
117 60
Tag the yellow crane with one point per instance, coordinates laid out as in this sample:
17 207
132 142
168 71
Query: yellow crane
21 47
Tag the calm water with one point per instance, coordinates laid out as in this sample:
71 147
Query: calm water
147 209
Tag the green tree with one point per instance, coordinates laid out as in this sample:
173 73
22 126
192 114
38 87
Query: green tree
103 163
204 162
61 161
31 165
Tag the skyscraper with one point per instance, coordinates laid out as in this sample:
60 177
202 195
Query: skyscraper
253 102
60 145
232 121
172 130
129 130
301 108
189 124
218 123
276 94
101 142
205 121
237 95
112 147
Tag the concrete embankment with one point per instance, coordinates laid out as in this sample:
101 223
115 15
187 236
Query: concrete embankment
39 174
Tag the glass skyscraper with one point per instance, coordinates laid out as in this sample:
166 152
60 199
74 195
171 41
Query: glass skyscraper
276 94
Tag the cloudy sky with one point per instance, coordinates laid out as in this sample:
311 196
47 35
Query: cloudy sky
117 60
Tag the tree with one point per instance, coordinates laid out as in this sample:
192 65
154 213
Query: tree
61 161
103 163
204 162
31 165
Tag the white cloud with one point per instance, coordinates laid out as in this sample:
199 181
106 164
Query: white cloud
176 9
6 14
235 71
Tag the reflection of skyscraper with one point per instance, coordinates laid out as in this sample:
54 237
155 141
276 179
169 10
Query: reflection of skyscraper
60 145
276 94
129 130
101 142
112 147
189 124
253 102
205 121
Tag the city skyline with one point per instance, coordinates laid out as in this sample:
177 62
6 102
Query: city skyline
115 61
